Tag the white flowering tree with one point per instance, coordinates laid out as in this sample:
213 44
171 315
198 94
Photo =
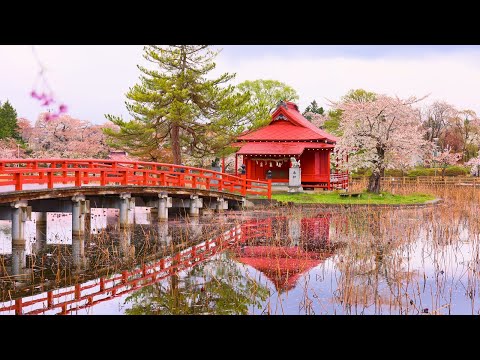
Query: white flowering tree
474 164
380 132
445 158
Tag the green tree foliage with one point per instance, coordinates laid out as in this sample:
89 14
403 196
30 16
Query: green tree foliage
313 108
8 122
334 116
359 95
204 290
264 98
177 109
332 124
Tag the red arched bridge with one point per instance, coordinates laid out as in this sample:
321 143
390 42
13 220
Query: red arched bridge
31 174
59 185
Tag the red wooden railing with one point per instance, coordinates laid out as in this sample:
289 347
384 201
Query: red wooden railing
81 296
80 172
339 181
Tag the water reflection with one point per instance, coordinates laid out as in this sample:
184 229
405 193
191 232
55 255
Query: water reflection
279 262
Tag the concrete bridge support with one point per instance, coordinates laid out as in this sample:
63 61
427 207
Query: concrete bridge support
196 203
195 228
163 237
221 205
40 231
164 203
127 207
20 214
79 211
127 250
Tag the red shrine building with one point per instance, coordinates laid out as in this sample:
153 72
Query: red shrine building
289 135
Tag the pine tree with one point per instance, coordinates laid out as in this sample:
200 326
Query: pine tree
8 121
176 107
313 108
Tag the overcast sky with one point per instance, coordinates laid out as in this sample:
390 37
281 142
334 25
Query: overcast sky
92 80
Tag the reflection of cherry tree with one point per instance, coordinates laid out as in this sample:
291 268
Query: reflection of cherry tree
373 268
205 289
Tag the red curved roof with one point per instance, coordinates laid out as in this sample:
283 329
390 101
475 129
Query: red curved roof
280 148
290 127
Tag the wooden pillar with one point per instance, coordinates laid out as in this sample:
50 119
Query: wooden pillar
223 164
236 165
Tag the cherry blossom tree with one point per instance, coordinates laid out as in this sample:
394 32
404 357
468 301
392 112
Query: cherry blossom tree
67 137
25 129
10 149
474 164
316 119
437 117
445 158
380 132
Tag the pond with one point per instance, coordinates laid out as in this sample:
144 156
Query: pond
281 261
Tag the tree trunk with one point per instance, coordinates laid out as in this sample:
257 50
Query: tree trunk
175 140
374 183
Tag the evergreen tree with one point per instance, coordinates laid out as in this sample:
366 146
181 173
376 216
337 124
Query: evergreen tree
8 121
176 107
313 108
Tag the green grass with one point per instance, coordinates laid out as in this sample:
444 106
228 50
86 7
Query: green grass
365 198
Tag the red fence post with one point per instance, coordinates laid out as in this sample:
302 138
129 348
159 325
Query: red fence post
78 178
18 181
244 186
78 291
103 179
49 299
102 284
269 193
194 180
64 173
50 179
18 306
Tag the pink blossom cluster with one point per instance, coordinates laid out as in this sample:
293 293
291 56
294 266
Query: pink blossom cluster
46 100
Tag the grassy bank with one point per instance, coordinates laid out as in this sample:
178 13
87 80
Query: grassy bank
365 198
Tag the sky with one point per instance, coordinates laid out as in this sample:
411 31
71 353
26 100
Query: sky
92 79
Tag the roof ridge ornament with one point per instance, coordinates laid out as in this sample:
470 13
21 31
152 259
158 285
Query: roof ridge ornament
282 103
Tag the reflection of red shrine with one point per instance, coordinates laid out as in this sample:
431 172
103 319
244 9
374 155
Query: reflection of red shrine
284 264
288 135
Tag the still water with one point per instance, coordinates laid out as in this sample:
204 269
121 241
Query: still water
284 261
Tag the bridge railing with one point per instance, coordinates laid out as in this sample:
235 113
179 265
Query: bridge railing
49 172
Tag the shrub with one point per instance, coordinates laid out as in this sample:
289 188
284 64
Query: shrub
421 172
456 171
395 172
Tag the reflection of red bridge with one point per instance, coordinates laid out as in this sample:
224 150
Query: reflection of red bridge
81 296
283 265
